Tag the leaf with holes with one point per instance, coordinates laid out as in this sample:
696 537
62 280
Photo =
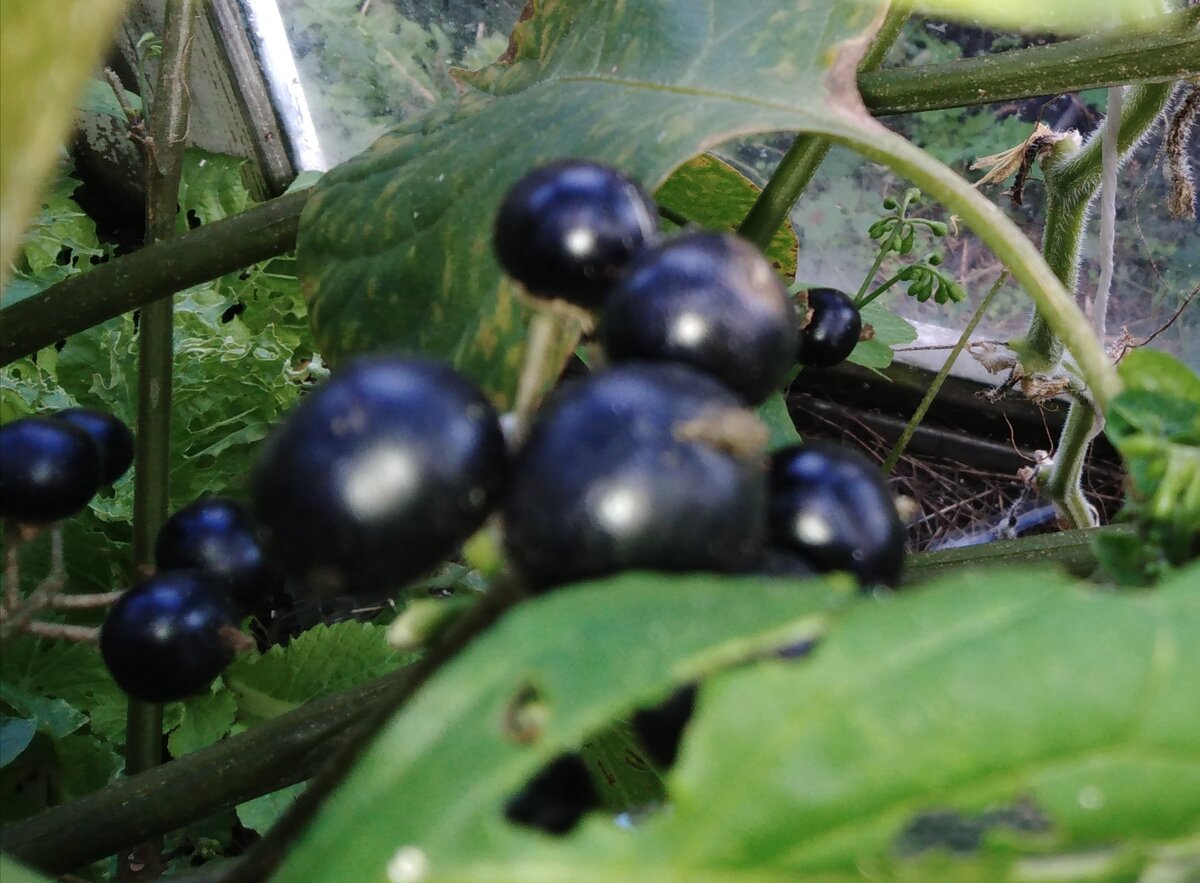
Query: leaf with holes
439 774
978 729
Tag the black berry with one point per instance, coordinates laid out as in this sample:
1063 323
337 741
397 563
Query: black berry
169 637
832 331
378 475
636 467
567 229
709 300
111 436
216 535
830 506
49 470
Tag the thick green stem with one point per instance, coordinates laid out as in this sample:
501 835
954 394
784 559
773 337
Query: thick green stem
148 274
1071 186
1061 482
807 152
1169 51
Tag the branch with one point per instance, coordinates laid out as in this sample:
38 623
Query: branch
1169 51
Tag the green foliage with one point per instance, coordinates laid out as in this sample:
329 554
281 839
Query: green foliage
1155 424
1017 694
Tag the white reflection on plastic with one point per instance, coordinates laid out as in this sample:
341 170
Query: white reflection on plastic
287 92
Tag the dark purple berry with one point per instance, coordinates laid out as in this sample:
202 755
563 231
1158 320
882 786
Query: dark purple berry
111 436
832 331
567 229
709 300
49 470
830 506
169 637
216 535
636 467
377 476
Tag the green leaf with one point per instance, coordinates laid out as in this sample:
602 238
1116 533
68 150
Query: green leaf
11 872
50 52
261 813
439 773
85 764
15 735
53 716
1044 717
205 719
323 660
890 331
781 428
394 246
711 193
98 97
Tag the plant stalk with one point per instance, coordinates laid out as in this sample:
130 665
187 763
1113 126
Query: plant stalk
807 152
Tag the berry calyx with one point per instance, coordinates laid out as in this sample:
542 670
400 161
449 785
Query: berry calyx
216 535
377 476
111 436
566 230
49 469
830 506
169 637
630 468
832 331
709 300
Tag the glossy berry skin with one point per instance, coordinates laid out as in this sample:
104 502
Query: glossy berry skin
709 300
830 506
111 436
833 331
48 470
609 480
168 638
566 230
377 476
216 535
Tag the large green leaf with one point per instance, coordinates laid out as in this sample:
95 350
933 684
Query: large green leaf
394 246
439 774
1040 718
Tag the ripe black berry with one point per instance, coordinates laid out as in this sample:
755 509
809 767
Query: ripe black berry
627 469
567 229
833 330
169 637
830 506
49 470
216 535
111 436
378 475
709 300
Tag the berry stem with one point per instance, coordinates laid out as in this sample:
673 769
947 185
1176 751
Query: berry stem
12 565
17 617
83 602
80 634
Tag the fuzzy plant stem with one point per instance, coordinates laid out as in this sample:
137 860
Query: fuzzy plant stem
163 155
807 152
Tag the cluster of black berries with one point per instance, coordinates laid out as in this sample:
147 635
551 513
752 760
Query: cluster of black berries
653 463
50 467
